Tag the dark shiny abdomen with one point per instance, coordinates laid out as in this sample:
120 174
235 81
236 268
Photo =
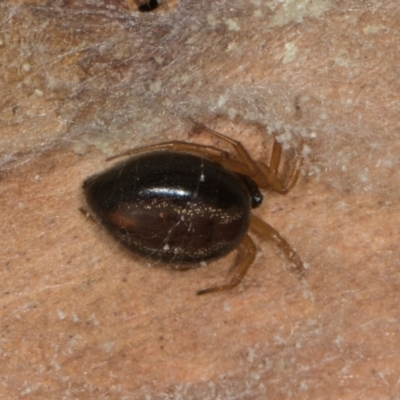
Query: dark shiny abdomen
172 207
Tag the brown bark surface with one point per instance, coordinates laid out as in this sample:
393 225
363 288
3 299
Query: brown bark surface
82 318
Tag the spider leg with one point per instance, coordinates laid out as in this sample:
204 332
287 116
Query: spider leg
275 182
208 151
242 153
246 256
89 215
269 232
265 176
275 157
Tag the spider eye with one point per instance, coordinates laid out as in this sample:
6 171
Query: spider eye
256 200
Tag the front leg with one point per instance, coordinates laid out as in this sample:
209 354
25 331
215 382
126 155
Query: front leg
270 233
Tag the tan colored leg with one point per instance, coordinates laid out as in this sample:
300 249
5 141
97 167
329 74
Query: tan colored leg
246 256
265 176
273 180
275 157
242 153
269 232
207 151
89 215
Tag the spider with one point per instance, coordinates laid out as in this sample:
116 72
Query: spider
184 203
